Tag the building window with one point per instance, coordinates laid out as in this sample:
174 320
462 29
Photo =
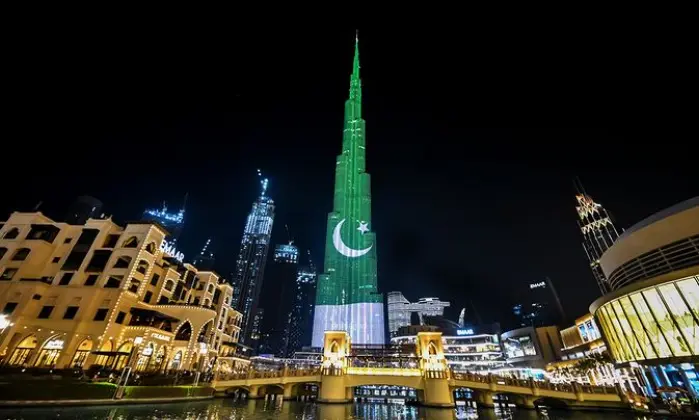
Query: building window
101 314
67 240
123 262
70 312
169 285
113 282
11 234
65 279
134 285
45 312
55 260
142 266
211 288
111 241
9 308
91 279
120 317
21 254
132 242
8 274
150 248
154 280
148 296
163 300
3 251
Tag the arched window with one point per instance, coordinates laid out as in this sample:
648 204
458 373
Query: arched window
206 302
132 242
169 285
23 351
432 349
3 251
204 332
142 266
151 248
334 347
21 254
184 332
176 361
81 354
12 233
123 262
211 288
123 355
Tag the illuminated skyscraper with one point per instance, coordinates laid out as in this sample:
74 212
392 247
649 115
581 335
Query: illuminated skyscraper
301 319
173 222
347 296
599 234
252 258
278 293
205 259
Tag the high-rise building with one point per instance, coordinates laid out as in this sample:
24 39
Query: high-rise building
173 222
256 328
250 267
401 309
539 306
205 260
301 320
347 297
83 208
280 279
598 232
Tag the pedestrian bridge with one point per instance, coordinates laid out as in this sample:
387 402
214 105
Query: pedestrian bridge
433 381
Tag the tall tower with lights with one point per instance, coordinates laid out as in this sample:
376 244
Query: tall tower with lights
173 222
598 231
347 298
252 257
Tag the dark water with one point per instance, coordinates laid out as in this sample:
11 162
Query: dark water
221 409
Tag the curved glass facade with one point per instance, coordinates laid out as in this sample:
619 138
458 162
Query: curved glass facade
653 323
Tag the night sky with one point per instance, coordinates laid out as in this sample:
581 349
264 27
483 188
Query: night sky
460 213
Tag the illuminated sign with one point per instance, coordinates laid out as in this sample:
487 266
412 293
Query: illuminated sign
170 250
147 351
537 285
468 331
160 337
54 345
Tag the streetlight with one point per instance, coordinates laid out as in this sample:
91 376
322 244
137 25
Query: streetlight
124 378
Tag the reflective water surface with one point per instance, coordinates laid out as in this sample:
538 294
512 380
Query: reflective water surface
221 409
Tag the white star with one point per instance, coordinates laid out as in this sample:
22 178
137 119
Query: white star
363 227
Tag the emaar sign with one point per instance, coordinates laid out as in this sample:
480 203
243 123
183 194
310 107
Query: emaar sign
467 331
170 250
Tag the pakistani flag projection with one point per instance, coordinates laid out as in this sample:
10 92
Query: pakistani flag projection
346 297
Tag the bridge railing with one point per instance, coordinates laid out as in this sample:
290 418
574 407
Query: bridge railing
262 374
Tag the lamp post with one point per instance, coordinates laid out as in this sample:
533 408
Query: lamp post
203 350
4 323
124 378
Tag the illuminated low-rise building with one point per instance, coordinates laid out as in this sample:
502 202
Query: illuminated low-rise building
472 349
400 310
102 294
585 359
651 316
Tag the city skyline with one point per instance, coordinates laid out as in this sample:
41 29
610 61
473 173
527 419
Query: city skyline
508 198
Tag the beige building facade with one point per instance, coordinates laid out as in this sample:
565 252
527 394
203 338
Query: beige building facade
102 294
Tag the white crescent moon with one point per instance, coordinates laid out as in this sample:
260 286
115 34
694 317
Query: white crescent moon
344 249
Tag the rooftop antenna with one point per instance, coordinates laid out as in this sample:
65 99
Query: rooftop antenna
36 208
579 188
263 182
288 235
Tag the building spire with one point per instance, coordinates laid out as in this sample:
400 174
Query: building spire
355 96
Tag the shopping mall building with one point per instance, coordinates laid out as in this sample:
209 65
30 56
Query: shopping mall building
102 294
650 319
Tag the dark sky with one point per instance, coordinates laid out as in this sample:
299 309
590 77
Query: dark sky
461 213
